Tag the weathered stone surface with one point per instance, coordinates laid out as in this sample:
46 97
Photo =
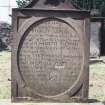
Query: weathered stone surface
95 39
50 54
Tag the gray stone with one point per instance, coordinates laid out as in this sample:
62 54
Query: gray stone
50 54
95 39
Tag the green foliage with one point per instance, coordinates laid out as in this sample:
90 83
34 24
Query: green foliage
22 3
91 5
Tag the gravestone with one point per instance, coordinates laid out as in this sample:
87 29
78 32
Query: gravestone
95 39
50 53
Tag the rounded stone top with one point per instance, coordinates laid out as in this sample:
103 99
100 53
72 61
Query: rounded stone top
59 4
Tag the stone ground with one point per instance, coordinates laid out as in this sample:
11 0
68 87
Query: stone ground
97 80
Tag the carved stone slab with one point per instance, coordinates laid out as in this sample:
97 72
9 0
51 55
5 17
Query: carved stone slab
95 39
50 54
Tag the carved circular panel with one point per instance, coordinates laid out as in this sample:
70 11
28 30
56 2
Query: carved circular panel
50 57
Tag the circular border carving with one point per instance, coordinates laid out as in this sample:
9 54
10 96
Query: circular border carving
27 24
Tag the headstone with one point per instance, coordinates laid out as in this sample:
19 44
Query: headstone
95 39
103 38
50 52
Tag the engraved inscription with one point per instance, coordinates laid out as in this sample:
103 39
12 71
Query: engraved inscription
51 57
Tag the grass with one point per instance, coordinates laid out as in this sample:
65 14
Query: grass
5 74
97 78
97 81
